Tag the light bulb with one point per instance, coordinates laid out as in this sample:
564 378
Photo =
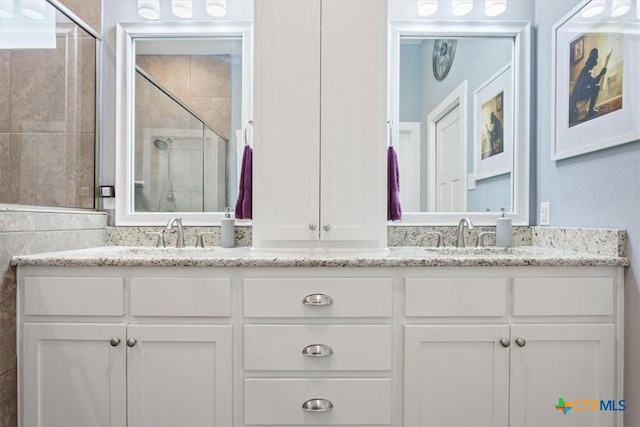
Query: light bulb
6 9
620 7
182 8
461 7
217 8
495 7
34 9
149 9
594 8
427 7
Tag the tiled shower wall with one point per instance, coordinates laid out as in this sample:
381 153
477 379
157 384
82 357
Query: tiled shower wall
47 114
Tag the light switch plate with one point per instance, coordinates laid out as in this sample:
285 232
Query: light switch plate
471 181
545 213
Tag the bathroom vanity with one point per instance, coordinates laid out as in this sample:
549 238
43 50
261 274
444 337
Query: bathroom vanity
416 337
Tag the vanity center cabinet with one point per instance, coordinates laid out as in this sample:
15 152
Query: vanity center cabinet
258 346
320 123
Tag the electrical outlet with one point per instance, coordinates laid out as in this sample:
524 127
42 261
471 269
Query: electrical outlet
545 213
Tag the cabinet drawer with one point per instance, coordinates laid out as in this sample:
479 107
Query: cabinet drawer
279 401
355 348
563 296
359 297
180 297
454 297
74 296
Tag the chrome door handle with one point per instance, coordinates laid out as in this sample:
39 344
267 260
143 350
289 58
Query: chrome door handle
326 227
115 341
131 342
312 227
317 299
505 342
317 405
521 342
317 350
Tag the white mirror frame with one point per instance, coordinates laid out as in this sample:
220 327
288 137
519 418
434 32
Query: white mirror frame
127 32
521 33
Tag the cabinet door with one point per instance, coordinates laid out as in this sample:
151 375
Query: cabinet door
569 362
179 375
73 376
287 121
456 376
353 125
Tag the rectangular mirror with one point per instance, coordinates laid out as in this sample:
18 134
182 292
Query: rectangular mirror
459 105
187 94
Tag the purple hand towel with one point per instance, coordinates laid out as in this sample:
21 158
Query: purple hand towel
394 210
243 205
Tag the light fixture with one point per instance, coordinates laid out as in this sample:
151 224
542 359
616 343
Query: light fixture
34 9
427 7
620 7
149 9
182 8
461 7
494 7
6 9
594 8
217 8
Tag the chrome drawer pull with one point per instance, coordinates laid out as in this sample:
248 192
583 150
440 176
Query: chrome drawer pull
317 405
317 350
521 342
505 342
317 299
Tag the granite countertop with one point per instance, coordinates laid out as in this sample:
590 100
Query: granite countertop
402 256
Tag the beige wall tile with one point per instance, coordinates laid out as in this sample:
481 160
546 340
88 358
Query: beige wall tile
215 110
90 11
8 399
10 221
5 90
85 87
172 72
8 192
22 158
38 83
211 76
7 319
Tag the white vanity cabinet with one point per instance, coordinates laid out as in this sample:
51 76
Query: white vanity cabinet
320 123
295 346
113 351
508 347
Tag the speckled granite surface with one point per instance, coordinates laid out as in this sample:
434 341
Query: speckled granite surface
602 241
404 256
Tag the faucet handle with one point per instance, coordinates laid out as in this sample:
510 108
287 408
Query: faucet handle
481 237
441 242
160 243
200 240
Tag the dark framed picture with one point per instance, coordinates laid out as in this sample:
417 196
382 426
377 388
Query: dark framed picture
577 49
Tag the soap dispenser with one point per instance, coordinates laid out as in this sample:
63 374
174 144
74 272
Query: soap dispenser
227 230
503 231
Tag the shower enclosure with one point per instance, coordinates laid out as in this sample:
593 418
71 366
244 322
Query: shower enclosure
181 157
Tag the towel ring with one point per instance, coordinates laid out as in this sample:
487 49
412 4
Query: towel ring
390 124
246 127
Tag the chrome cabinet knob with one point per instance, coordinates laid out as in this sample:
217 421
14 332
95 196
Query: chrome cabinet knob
312 227
317 350
505 342
317 405
131 342
114 342
317 299
326 227
521 342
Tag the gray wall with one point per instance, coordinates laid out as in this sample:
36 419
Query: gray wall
600 189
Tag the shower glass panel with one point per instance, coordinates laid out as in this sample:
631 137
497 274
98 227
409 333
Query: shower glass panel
47 111
177 155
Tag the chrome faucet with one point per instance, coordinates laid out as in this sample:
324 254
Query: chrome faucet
461 231
178 223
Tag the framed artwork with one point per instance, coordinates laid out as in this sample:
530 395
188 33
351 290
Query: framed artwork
595 94
493 125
